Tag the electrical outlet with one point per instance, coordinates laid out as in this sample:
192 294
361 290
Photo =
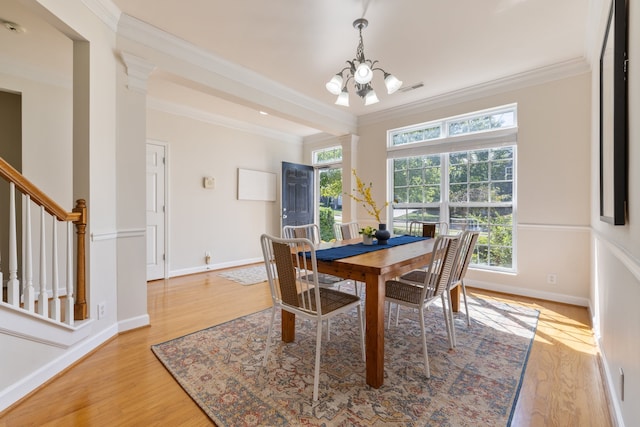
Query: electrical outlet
207 257
552 279
102 310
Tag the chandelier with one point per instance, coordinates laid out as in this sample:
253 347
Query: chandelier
360 70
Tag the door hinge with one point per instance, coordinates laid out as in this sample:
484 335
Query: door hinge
164 258
164 160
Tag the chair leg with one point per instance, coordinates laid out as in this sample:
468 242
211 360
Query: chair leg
316 374
448 320
361 324
268 344
427 371
466 306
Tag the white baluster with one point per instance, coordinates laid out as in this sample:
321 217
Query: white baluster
13 285
69 301
43 298
29 298
55 302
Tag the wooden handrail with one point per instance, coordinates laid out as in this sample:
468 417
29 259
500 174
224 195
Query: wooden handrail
9 173
78 216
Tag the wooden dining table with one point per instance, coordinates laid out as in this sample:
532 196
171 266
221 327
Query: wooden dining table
374 269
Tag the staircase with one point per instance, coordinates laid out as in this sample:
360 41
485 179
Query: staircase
43 301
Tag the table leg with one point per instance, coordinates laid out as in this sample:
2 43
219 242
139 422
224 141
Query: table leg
374 339
288 326
455 299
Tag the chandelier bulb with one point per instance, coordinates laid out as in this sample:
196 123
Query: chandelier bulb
363 74
392 83
343 98
335 84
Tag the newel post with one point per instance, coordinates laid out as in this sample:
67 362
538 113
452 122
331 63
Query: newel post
80 307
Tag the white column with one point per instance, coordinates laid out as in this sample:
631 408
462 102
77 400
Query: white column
349 145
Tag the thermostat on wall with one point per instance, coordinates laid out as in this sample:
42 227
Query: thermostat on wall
208 182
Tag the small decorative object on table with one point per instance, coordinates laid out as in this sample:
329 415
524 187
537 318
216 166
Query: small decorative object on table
368 233
364 198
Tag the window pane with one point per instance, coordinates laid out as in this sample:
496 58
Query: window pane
458 193
403 216
478 192
327 155
417 135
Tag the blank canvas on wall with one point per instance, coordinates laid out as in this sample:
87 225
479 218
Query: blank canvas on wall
256 185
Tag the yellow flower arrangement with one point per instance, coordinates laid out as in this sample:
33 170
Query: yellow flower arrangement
363 197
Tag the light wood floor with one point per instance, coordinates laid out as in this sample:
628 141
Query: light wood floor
123 384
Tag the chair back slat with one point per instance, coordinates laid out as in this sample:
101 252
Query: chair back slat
439 268
286 274
291 278
306 231
468 241
346 230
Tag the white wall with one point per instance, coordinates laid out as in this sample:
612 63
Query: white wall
553 176
213 219
71 154
615 284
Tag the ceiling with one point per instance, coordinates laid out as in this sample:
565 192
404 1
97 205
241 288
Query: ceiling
445 45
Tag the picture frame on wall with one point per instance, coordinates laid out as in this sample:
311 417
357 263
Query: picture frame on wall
613 116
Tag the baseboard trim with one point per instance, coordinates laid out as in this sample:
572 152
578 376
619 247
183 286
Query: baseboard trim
532 293
39 378
134 323
213 267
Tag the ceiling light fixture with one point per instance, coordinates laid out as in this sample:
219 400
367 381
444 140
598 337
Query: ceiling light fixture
360 70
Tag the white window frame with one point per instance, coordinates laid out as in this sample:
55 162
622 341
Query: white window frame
443 146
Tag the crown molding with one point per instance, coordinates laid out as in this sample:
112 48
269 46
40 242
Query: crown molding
529 78
106 11
151 37
215 119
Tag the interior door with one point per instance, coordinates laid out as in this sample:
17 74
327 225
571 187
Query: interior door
156 215
297 194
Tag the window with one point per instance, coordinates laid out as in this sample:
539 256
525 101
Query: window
466 180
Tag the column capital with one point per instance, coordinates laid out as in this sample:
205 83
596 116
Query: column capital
138 71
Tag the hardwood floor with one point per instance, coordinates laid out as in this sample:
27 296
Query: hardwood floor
122 383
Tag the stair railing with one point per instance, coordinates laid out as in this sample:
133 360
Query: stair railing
24 294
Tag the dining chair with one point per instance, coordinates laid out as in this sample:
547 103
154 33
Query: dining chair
301 294
428 228
312 232
346 230
422 228
436 283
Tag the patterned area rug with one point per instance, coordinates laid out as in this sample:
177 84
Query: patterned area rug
475 384
247 276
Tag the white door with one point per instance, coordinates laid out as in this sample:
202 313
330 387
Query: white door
156 215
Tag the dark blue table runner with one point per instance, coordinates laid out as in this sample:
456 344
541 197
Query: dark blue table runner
339 252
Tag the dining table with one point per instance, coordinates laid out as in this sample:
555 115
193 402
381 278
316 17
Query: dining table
374 269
